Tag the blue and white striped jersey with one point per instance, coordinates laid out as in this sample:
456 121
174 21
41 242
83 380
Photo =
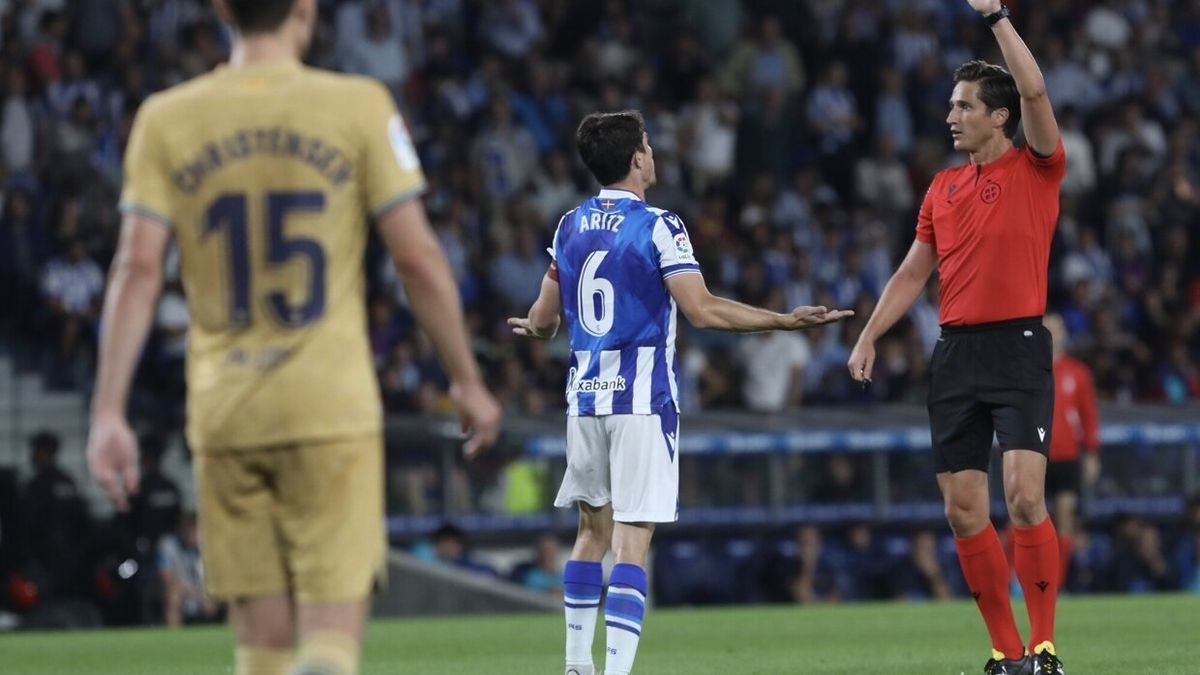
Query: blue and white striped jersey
614 254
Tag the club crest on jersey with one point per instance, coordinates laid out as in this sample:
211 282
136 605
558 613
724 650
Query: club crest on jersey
990 192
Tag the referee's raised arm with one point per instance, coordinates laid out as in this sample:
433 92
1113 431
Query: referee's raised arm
1041 129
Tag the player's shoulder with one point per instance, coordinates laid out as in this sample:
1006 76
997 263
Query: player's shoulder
357 87
665 217
178 98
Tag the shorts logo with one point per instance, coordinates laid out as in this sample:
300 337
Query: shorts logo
1041 434
990 192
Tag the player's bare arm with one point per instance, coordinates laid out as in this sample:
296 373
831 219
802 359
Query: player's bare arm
135 282
705 310
422 266
1041 129
544 315
901 291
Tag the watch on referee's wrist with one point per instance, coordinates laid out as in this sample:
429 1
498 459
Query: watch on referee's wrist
994 18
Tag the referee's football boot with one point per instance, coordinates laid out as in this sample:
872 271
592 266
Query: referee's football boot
1045 661
1021 666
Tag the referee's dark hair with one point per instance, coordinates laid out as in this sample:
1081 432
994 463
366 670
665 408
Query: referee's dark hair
259 16
607 141
997 89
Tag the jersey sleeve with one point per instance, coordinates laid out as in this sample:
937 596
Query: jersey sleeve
925 217
674 247
147 189
390 169
1052 168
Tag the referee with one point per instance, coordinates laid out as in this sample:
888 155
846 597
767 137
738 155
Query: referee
987 226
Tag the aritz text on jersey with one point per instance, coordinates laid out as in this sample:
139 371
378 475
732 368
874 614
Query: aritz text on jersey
599 220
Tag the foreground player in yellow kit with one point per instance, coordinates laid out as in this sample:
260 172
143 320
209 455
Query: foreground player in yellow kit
264 171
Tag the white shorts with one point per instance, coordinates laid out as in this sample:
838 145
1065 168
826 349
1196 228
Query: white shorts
629 460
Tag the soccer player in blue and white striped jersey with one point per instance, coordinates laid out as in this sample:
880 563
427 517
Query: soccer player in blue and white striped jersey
620 268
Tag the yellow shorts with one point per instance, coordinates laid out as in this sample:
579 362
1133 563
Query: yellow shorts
305 520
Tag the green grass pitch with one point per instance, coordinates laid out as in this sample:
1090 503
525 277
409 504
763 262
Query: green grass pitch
1157 635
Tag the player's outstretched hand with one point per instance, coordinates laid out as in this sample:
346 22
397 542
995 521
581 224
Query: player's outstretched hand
480 415
112 456
811 317
862 361
522 326
985 7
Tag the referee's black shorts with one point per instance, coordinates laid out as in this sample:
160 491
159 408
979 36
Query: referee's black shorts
985 379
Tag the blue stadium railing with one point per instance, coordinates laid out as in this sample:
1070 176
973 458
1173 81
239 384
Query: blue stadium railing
883 434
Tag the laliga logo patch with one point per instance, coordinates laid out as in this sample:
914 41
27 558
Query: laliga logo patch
682 246
990 192
402 147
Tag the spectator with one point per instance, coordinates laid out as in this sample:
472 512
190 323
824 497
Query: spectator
379 54
774 364
54 521
182 574
1187 557
449 547
19 132
920 574
71 285
766 62
156 508
814 574
544 571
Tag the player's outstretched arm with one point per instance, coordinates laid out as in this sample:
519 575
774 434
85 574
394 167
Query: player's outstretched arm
1041 129
135 282
705 310
435 301
543 319
899 294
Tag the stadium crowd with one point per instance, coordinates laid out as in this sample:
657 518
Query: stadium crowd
795 139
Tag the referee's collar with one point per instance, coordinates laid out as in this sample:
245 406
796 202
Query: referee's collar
614 193
1003 160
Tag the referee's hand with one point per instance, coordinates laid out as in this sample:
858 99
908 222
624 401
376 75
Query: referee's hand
804 317
862 361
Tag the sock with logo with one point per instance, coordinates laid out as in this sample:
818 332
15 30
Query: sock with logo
261 661
582 582
986 572
1038 568
327 653
624 610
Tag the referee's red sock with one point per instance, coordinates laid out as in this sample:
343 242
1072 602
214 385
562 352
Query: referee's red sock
1038 570
986 571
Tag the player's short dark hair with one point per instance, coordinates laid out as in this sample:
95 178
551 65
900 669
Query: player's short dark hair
259 16
607 141
997 89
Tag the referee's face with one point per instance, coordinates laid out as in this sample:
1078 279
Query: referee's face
971 125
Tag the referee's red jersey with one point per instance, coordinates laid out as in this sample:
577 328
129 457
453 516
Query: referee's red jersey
1076 423
991 225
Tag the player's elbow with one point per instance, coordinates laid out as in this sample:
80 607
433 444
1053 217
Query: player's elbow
137 267
700 317
1035 92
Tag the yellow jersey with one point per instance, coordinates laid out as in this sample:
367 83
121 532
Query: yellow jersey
266 175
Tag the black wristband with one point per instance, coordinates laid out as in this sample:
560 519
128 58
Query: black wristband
994 17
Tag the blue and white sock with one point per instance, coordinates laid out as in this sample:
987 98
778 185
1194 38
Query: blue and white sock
581 600
623 613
